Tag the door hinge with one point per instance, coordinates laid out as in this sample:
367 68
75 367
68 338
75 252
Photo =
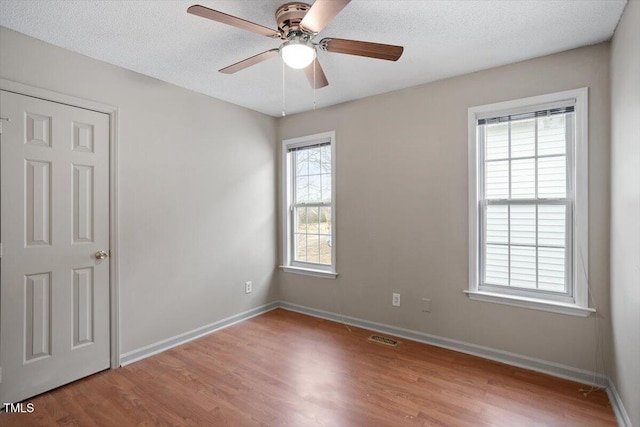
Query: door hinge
0 250
3 119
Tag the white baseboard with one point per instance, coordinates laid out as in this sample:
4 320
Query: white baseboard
538 365
533 364
618 406
160 346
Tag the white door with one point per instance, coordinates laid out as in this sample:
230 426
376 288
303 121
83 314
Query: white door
54 299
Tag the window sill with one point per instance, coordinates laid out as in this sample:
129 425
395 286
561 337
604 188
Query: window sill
536 304
309 272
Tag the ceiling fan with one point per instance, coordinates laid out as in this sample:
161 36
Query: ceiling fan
298 24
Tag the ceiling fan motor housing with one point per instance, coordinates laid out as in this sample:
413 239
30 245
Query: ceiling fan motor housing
289 16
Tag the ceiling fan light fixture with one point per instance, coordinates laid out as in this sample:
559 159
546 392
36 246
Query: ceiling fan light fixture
298 53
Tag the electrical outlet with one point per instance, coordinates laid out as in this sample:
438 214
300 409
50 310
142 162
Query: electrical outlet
426 304
248 287
395 300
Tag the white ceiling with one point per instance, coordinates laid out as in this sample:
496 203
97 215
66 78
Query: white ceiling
442 38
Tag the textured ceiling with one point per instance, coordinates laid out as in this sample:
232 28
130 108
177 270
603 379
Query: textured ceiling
442 38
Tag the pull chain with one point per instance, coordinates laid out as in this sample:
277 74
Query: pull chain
283 91
314 84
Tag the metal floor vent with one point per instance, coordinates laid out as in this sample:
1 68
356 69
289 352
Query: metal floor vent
384 340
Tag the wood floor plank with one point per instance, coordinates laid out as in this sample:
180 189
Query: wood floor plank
287 369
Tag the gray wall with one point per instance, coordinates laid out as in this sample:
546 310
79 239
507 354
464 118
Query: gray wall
402 218
625 208
197 185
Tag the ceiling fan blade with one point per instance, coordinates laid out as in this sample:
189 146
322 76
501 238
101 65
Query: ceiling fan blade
316 77
368 49
321 13
215 15
245 63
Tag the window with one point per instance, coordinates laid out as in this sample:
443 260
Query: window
309 205
528 203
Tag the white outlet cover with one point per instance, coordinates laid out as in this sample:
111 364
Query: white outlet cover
395 300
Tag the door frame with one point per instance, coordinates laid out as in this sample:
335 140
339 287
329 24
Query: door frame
114 241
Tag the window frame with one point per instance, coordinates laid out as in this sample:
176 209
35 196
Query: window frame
576 302
287 191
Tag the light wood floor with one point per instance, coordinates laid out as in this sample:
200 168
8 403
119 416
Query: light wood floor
287 369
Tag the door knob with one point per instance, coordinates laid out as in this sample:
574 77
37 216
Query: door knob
101 255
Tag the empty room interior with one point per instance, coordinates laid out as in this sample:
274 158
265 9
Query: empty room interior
332 213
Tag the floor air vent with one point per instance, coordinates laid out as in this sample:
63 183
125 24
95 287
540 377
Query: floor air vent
384 340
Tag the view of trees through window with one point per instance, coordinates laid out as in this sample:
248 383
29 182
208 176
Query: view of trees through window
312 204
